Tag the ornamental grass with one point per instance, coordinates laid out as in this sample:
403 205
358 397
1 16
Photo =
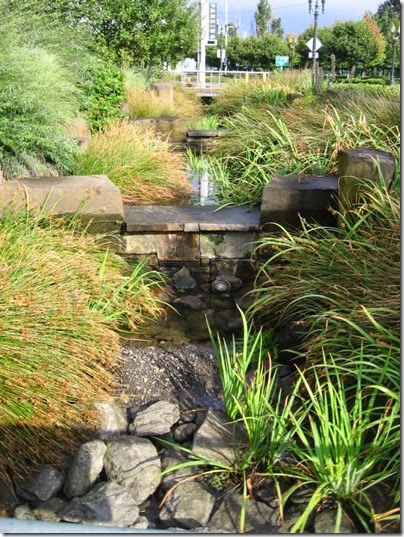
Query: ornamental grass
63 300
139 162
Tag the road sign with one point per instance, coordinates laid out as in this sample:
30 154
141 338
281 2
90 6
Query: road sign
310 44
212 29
281 61
311 54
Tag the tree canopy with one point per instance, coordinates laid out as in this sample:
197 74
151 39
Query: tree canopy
149 33
262 18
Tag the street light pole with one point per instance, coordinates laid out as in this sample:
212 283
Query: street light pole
314 48
395 33
292 43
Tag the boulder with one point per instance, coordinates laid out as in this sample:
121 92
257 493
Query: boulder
107 504
133 463
157 419
189 505
85 469
45 483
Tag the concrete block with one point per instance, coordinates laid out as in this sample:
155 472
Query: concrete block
178 246
287 197
226 245
94 197
363 165
164 91
139 244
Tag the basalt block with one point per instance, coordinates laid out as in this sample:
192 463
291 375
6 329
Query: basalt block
287 199
94 199
363 166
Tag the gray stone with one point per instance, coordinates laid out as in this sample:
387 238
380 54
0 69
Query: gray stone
193 303
286 198
157 419
142 524
133 463
183 279
85 469
112 420
48 511
324 522
217 438
172 458
24 512
107 504
45 483
189 505
259 517
226 245
94 197
184 432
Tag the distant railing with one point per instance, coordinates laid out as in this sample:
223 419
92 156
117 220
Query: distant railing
213 79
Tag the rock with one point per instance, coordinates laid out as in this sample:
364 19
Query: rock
85 469
112 420
324 522
133 463
142 524
46 482
48 511
259 517
216 438
184 432
172 458
193 303
157 419
24 512
107 504
189 505
182 279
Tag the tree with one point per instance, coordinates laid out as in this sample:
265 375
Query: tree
256 52
379 39
353 44
148 33
262 17
276 27
388 16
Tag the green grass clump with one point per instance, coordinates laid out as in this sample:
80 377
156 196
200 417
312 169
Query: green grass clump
306 138
62 301
139 162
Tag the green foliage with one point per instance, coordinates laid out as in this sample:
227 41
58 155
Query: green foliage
262 17
137 33
255 53
104 92
62 299
305 137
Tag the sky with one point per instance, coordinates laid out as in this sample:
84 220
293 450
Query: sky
294 14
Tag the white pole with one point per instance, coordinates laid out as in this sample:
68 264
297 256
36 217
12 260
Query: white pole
225 32
201 66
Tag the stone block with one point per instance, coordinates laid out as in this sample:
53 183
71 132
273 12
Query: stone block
226 245
139 244
287 197
164 91
177 247
94 198
361 166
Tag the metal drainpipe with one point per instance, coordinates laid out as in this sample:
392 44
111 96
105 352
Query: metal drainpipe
15 525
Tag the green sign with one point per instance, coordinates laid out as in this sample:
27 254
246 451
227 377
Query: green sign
281 61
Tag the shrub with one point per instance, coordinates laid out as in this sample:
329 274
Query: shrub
37 101
62 299
104 93
139 162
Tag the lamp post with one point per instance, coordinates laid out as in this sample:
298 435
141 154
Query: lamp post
395 34
314 47
292 43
